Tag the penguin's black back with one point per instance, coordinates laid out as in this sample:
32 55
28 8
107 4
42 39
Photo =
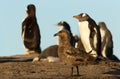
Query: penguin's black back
92 25
67 27
31 32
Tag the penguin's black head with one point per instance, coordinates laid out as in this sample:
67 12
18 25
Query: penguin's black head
63 25
31 10
82 17
102 25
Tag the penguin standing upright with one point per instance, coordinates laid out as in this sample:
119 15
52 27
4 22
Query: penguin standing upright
30 31
64 25
90 34
106 41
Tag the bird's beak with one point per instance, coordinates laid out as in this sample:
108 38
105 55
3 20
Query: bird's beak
56 34
76 16
56 25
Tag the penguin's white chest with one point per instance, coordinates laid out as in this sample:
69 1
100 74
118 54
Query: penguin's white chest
84 34
102 32
61 28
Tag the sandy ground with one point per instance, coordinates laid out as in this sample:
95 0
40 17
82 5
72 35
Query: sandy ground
14 67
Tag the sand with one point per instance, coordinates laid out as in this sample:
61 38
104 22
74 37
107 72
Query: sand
13 67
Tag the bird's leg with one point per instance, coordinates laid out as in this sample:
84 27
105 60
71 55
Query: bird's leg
77 70
71 71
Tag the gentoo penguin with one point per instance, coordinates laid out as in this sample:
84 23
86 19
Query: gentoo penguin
90 34
30 31
69 54
106 40
64 25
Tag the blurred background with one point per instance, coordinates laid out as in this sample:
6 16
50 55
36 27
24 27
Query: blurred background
50 12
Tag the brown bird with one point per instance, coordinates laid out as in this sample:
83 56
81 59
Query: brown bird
69 54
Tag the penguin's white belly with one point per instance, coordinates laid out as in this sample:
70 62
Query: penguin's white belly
102 32
84 34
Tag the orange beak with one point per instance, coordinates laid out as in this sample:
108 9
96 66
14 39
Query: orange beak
76 16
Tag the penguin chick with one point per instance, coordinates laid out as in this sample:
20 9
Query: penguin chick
30 31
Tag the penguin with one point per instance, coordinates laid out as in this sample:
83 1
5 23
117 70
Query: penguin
74 39
90 34
64 25
30 31
106 41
